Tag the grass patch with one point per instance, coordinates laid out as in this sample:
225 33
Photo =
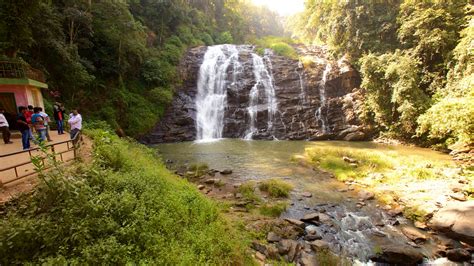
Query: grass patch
125 208
276 188
247 190
273 210
281 46
415 214
198 169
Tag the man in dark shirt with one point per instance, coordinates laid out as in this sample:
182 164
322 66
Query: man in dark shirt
24 128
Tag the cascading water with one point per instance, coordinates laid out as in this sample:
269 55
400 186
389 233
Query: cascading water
263 80
211 99
322 97
300 72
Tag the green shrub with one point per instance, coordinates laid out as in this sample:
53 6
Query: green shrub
127 208
224 37
276 188
283 49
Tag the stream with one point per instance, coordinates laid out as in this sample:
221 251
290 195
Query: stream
352 230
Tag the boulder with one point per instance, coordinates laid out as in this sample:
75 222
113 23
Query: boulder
212 181
308 260
295 222
307 194
456 220
398 254
311 217
319 244
355 136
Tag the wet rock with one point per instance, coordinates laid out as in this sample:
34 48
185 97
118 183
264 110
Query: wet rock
366 195
397 254
307 194
226 172
273 237
295 222
324 218
458 255
212 181
455 220
414 234
312 237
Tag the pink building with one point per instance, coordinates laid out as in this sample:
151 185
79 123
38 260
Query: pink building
20 85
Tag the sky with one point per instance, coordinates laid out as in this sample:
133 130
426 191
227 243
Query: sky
284 7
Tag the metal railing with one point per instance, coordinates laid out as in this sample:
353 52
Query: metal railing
71 145
19 70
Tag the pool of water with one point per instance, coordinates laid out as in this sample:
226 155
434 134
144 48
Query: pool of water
353 230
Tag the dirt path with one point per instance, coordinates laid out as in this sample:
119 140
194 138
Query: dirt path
26 184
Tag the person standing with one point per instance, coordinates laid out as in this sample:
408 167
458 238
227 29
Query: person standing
29 113
38 123
24 128
4 127
46 122
75 122
59 118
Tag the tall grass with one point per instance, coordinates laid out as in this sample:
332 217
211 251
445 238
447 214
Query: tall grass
126 208
281 46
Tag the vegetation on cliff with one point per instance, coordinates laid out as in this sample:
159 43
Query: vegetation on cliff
124 208
415 59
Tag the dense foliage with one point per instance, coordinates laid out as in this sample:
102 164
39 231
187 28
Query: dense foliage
116 60
415 58
125 208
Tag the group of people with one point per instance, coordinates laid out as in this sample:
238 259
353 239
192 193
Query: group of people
31 119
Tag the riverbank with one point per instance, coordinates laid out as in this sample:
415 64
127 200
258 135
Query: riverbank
124 207
429 190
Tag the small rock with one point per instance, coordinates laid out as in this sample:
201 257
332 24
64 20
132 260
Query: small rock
306 208
212 181
284 246
458 196
420 225
379 233
273 237
237 185
226 172
272 253
349 160
353 165
238 195
366 195
342 190
295 222
312 237
395 212
201 187
260 256
398 254
259 247
458 255
319 244
414 235
311 217
307 194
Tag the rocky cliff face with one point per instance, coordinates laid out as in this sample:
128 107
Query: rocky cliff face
263 97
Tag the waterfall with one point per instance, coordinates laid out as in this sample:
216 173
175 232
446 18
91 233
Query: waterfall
322 97
263 80
300 72
212 84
